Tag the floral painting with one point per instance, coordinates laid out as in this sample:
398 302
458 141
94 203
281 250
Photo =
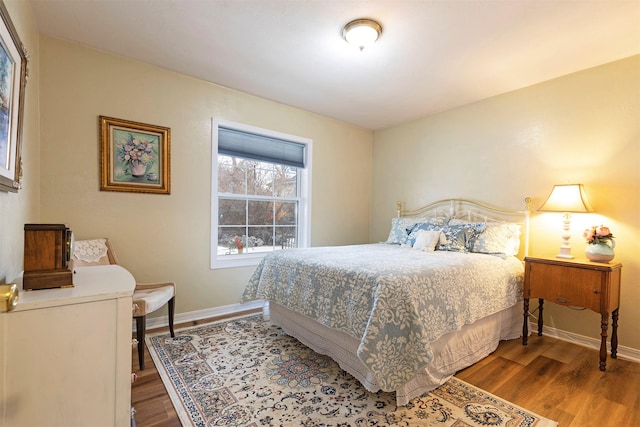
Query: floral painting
134 156
137 154
6 77
13 79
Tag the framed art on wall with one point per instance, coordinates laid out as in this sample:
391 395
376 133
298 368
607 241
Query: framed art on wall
13 79
134 157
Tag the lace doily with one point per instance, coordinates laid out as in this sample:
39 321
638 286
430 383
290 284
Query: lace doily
90 250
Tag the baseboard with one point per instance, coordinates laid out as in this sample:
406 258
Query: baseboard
227 310
626 353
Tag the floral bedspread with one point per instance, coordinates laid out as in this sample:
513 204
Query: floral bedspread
394 300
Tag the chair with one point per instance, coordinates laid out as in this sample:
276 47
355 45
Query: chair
147 297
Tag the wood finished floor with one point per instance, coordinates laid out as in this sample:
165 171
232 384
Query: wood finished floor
553 378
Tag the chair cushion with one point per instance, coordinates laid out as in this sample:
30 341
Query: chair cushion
149 300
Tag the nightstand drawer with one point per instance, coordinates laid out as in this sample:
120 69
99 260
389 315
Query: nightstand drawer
565 285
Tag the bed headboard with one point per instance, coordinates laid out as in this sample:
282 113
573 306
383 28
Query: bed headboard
473 211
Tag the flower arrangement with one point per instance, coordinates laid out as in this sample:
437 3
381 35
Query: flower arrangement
136 151
598 234
241 242
238 243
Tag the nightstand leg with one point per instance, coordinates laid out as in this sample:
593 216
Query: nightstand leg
614 334
525 327
540 306
603 343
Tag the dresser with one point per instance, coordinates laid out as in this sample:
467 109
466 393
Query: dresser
65 354
575 283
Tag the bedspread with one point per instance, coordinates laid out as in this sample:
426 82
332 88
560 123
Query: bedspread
394 300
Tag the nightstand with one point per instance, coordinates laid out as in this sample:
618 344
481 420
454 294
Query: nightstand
576 283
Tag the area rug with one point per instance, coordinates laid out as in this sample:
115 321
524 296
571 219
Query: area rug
246 372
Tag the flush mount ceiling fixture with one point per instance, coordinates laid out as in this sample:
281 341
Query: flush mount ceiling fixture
362 32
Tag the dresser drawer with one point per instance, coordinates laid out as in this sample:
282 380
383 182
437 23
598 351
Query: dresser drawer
567 286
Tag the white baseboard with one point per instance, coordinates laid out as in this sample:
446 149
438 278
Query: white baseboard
227 310
626 353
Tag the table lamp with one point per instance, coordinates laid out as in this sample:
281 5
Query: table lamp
566 198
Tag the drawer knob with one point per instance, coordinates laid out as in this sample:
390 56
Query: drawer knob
8 297
595 291
562 300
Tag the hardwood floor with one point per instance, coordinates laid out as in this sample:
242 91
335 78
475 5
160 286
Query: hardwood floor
561 381
553 378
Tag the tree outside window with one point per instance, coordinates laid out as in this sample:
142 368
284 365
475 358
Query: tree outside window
258 205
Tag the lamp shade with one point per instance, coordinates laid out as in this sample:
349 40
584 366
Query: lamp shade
567 198
362 32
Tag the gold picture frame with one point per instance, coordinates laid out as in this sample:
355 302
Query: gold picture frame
13 80
134 157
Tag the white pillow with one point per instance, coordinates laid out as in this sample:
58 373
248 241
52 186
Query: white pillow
426 240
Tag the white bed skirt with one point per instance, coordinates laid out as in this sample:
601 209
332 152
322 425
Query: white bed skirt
452 352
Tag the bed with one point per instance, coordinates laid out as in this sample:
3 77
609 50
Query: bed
404 315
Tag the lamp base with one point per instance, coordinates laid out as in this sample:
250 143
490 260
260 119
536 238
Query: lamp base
565 256
565 252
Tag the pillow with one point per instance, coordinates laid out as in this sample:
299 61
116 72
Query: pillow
460 238
399 226
497 238
456 221
426 240
412 233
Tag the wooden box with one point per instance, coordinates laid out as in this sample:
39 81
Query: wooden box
47 256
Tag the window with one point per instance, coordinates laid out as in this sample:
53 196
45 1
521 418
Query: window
260 193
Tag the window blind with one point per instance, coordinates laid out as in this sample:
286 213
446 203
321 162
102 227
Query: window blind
233 142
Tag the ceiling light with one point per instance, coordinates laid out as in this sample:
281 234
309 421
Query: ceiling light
362 32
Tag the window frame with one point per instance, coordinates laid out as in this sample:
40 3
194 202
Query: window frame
304 209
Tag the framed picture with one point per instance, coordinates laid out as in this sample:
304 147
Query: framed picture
134 157
13 79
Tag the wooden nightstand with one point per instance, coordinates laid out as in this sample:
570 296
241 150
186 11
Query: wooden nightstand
576 283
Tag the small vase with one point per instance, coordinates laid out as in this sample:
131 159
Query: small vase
240 250
600 252
138 170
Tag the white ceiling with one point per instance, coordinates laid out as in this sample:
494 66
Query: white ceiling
433 55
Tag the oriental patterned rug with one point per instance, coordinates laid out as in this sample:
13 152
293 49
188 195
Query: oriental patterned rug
246 372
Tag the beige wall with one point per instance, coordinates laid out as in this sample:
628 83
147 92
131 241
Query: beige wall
16 209
581 128
161 237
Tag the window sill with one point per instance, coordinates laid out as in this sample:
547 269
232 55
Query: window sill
239 260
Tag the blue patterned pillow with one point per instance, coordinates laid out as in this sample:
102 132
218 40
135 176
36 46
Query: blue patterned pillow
412 232
460 238
400 228
497 238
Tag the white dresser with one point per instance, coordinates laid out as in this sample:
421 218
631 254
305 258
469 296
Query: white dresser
65 354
